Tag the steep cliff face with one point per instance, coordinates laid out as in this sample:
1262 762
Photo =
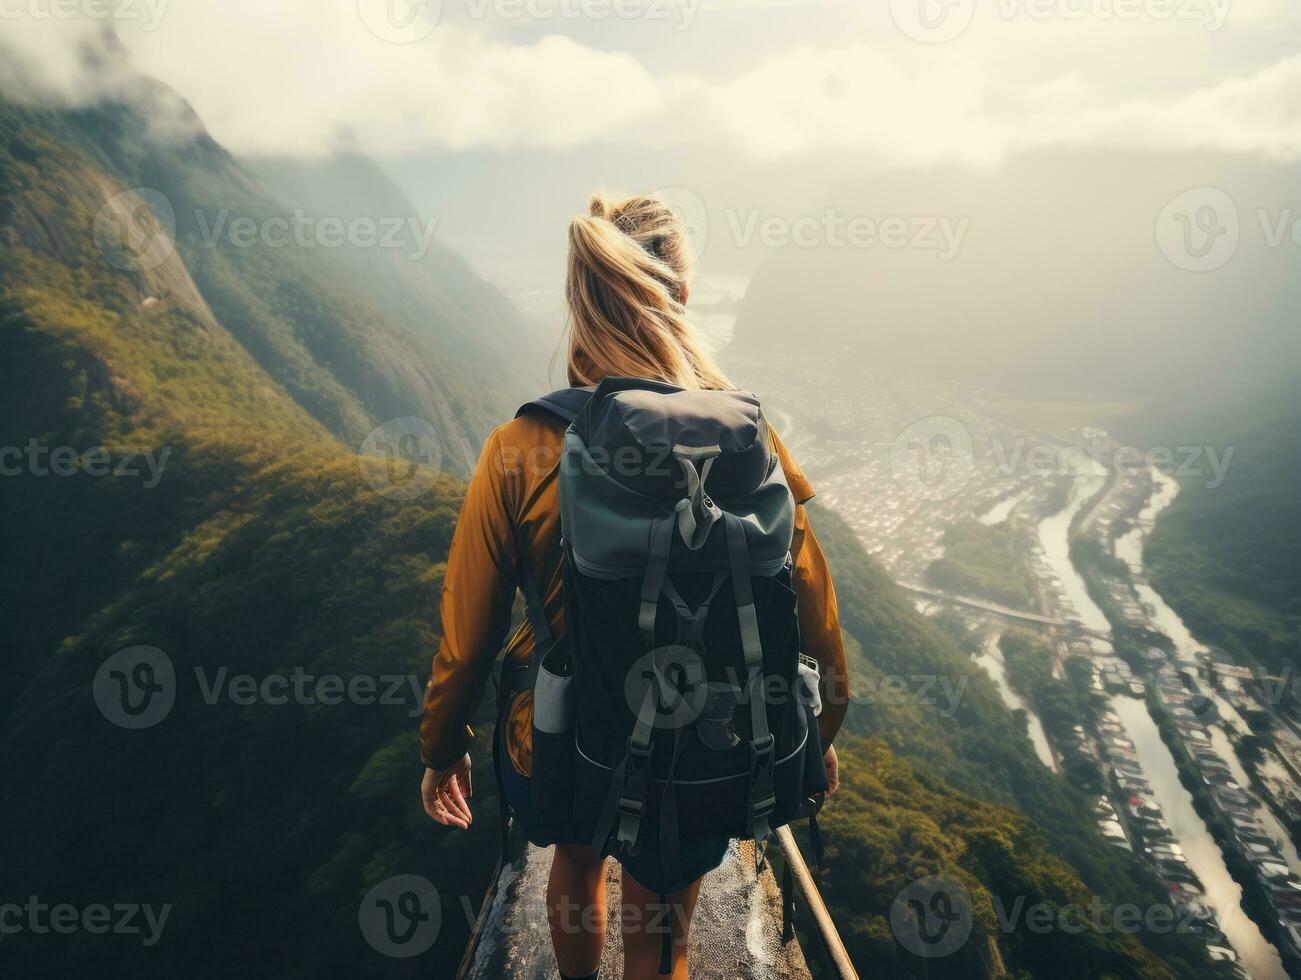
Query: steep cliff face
334 285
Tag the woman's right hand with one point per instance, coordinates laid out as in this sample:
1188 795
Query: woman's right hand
444 793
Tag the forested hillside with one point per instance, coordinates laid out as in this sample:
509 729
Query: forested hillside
417 274
351 305
254 543
1228 557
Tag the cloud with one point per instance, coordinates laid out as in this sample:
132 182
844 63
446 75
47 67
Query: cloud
1257 114
291 77
845 99
44 60
289 81
850 99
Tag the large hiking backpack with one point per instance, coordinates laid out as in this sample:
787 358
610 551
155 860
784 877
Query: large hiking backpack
674 704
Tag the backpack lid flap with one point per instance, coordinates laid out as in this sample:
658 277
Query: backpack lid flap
690 422
634 429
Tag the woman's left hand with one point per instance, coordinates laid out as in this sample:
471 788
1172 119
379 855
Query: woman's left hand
833 770
444 793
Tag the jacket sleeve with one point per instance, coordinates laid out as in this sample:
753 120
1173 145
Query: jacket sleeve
820 636
478 591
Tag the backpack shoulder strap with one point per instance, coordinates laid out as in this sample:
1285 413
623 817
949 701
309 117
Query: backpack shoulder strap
565 403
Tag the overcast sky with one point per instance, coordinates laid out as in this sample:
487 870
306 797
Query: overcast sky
896 81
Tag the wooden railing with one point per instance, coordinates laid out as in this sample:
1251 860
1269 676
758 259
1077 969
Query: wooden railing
823 925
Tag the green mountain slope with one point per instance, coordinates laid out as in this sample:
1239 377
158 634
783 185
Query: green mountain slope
355 331
258 545
1228 557
891 827
415 273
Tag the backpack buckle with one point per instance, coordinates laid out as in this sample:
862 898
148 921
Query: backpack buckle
630 803
631 809
763 796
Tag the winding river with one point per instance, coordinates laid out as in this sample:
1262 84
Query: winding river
1222 893
1001 510
991 658
1129 549
1054 536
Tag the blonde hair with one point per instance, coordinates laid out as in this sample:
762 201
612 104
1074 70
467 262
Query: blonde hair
629 267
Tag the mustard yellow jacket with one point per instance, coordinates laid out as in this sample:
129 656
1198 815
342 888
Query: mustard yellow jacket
515 486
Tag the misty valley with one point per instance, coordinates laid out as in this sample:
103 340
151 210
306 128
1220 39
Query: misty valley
1032 545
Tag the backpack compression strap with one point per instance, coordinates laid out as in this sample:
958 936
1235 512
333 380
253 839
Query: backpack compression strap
762 799
565 403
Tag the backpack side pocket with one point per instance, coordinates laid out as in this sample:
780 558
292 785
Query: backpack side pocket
551 783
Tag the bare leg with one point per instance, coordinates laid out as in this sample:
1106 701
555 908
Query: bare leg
576 909
645 918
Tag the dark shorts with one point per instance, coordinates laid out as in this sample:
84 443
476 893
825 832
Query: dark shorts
698 856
